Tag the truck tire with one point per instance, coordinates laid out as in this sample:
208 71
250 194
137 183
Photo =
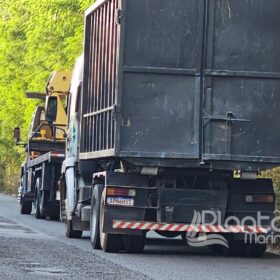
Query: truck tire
240 249
94 216
110 243
255 250
37 200
134 243
55 214
70 232
25 207
218 250
236 248
43 203
170 234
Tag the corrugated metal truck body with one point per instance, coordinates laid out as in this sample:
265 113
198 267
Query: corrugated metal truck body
183 82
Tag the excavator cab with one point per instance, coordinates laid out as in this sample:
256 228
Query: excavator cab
43 133
38 120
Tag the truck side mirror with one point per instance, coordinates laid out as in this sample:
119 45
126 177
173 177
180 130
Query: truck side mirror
51 109
16 134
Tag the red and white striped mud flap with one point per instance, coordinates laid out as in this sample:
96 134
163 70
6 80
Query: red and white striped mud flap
132 225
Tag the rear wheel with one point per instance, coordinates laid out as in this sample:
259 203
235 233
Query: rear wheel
70 232
55 214
110 243
94 217
237 248
37 201
255 250
43 203
25 207
134 243
170 234
218 250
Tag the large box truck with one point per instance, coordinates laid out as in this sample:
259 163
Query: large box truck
171 99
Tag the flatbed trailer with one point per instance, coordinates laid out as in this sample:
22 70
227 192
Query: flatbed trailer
45 151
39 185
46 158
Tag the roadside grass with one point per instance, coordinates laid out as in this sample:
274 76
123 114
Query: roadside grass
274 174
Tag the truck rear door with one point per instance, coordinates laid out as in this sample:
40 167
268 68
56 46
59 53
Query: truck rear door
241 96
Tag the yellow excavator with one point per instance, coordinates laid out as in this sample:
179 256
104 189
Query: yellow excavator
45 149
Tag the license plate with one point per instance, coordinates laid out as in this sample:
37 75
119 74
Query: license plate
122 201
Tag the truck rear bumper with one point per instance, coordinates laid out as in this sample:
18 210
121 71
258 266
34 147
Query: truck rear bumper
147 226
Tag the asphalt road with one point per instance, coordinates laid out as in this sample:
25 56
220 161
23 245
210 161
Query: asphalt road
37 249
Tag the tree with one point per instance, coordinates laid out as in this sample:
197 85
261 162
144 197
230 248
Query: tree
36 37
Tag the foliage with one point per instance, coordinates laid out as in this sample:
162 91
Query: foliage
275 175
36 37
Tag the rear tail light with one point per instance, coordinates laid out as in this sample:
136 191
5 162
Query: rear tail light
256 198
120 191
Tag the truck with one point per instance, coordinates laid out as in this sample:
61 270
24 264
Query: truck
173 114
45 151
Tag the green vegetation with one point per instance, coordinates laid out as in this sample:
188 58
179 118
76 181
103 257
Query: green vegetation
36 37
275 175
